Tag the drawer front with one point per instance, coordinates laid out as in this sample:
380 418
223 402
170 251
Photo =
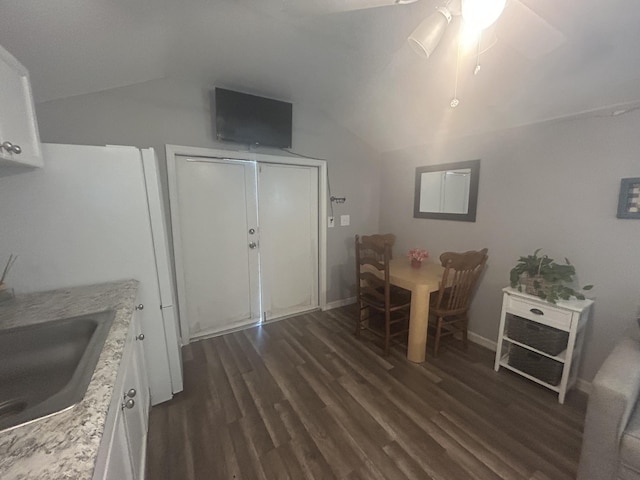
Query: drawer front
540 312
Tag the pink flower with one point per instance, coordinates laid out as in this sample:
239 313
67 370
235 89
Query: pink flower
418 254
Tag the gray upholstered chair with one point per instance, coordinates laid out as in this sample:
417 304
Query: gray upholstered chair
611 439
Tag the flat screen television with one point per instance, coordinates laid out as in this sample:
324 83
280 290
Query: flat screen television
244 118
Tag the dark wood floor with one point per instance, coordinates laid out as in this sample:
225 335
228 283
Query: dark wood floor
302 398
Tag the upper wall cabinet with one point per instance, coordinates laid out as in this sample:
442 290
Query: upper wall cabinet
19 138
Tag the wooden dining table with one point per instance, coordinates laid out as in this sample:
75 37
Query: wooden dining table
421 282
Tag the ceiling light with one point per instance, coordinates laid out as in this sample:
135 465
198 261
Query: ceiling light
405 2
479 14
426 37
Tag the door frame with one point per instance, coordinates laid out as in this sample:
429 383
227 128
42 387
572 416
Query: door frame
172 151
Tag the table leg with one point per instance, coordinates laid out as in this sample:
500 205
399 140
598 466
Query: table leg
417 343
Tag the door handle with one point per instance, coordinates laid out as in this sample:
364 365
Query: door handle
253 245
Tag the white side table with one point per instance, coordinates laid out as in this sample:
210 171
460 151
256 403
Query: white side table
542 341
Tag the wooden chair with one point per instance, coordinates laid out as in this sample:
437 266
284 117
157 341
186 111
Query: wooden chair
449 309
380 239
374 291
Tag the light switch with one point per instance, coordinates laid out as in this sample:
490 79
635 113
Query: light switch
345 220
331 222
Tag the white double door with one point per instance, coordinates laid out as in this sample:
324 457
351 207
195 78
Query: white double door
248 242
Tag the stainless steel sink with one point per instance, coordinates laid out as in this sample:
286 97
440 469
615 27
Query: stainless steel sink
46 367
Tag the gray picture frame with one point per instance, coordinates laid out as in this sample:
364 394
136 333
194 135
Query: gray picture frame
629 198
470 216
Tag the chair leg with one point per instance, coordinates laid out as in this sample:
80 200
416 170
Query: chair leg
361 311
387 334
437 339
465 323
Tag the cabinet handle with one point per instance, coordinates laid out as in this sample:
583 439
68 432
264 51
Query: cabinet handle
537 311
131 393
10 147
140 307
129 403
140 337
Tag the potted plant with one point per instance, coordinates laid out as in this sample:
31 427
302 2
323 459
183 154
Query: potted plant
544 278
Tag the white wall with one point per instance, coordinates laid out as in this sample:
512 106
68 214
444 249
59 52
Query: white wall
161 112
552 186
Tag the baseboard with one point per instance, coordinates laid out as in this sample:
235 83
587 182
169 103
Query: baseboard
340 303
482 341
583 386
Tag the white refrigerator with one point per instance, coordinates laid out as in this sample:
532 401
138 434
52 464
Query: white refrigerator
93 215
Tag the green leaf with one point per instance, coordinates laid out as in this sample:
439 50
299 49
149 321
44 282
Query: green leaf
587 287
514 276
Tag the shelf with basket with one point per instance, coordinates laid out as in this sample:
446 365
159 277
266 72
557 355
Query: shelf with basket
541 341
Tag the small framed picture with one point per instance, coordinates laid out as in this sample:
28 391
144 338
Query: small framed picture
629 200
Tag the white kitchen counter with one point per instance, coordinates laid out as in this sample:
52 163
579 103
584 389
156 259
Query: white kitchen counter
65 445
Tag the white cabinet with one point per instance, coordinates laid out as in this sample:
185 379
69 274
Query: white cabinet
19 138
136 404
542 341
123 448
118 466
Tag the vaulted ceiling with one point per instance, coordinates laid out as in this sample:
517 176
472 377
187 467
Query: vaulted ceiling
354 65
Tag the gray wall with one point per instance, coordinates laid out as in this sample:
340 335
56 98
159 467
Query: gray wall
552 186
161 112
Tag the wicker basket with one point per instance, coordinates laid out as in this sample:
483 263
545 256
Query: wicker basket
539 366
529 284
541 337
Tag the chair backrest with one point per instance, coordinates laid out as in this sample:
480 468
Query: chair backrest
461 273
376 254
381 239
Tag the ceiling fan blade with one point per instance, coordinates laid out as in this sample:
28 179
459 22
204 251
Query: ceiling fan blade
324 7
527 32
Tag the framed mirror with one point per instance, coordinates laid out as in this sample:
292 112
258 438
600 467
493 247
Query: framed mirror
447 191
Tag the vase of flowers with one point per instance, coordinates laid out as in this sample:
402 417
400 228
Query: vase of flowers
416 256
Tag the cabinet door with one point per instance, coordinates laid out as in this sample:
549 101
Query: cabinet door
135 404
18 124
142 375
119 463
